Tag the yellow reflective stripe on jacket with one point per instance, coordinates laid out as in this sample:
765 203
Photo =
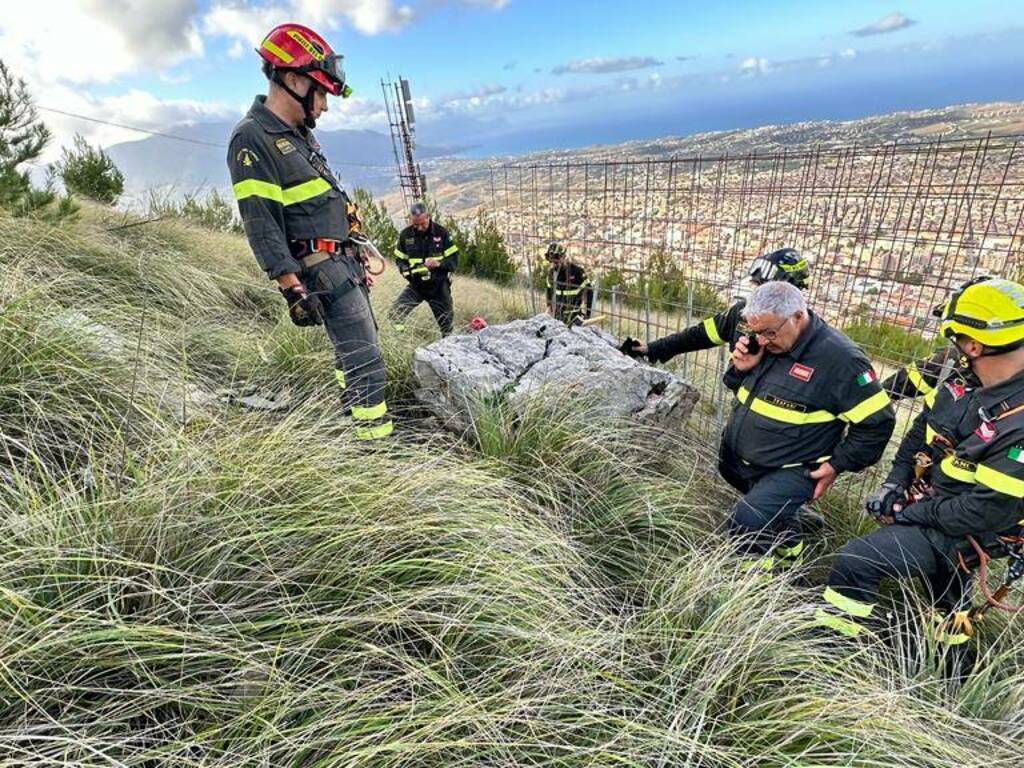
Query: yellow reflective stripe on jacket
918 381
368 413
569 291
766 409
847 604
339 376
451 250
306 190
929 434
950 469
929 399
712 331
284 196
400 255
866 408
999 481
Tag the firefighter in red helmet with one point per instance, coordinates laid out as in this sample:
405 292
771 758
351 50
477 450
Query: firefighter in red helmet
300 223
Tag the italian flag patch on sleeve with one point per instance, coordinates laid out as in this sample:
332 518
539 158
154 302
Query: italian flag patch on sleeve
1017 454
867 377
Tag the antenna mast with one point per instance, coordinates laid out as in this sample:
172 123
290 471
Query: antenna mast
402 121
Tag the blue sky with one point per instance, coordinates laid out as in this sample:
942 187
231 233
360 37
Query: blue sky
506 75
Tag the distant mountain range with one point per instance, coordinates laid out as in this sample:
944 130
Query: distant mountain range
360 158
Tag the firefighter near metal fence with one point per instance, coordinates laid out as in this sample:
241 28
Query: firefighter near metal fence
570 295
808 408
955 496
426 257
917 379
300 223
785 265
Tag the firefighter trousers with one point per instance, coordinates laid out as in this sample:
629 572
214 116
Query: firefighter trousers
438 295
358 365
766 518
898 552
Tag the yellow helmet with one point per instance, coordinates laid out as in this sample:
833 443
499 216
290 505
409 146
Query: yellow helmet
989 310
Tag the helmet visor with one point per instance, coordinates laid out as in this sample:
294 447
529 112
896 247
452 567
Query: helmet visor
762 270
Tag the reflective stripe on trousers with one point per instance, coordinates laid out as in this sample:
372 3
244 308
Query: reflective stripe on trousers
359 367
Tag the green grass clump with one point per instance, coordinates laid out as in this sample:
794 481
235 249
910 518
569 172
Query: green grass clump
184 582
886 341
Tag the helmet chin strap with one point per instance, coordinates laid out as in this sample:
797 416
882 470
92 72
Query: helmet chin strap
306 102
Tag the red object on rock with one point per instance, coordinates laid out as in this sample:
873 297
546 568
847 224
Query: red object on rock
477 323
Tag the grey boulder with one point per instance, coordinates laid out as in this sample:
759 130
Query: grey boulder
542 358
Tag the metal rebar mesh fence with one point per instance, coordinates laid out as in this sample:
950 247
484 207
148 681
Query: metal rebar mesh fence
890 230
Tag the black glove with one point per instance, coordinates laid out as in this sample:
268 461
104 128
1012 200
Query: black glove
303 308
882 503
628 348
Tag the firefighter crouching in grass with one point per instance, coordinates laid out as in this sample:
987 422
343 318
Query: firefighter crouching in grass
976 441
809 407
785 265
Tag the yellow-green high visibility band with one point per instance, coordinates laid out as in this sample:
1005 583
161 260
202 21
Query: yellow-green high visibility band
918 381
950 469
999 481
306 190
400 255
451 250
847 604
823 618
339 376
866 408
712 331
929 434
369 413
775 412
929 399
268 191
375 433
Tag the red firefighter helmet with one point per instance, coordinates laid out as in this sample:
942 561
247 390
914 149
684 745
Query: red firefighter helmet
299 49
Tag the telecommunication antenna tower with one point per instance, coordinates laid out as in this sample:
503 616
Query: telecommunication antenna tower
402 120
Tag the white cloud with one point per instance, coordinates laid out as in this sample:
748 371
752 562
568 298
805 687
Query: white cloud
135 108
891 23
755 66
606 64
354 114
848 53
248 23
108 37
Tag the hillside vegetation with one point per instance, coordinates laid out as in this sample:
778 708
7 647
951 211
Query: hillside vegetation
187 582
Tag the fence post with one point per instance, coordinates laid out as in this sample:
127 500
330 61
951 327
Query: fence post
615 313
647 313
596 288
531 287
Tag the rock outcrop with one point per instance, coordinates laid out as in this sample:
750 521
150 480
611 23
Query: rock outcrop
543 358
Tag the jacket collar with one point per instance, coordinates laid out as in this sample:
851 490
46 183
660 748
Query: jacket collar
268 121
1009 392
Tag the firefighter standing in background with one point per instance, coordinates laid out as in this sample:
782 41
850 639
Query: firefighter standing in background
426 257
570 295
298 219
977 487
